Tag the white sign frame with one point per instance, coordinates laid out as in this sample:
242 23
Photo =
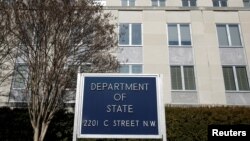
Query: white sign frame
79 105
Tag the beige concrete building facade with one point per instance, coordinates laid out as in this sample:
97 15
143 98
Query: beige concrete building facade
201 47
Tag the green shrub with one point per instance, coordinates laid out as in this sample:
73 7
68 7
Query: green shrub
15 125
61 127
183 124
190 124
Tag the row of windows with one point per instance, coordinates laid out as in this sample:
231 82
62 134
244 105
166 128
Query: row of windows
131 68
182 77
185 3
179 35
235 78
162 3
21 73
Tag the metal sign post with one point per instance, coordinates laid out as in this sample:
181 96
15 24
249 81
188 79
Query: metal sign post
119 106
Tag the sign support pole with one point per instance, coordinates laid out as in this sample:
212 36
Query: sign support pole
164 131
77 98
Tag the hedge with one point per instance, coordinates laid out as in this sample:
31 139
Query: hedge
183 123
190 124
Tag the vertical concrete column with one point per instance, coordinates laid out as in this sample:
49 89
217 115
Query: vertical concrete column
210 82
155 50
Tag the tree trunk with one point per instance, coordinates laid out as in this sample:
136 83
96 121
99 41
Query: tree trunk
39 133
36 134
43 131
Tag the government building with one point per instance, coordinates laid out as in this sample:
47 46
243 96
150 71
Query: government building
201 48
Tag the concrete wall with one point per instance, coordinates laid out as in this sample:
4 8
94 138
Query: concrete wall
204 54
156 53
5 86
176 3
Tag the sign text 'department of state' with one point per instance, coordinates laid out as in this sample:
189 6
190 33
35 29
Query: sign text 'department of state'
119 106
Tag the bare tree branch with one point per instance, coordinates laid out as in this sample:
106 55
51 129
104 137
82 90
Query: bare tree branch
53 34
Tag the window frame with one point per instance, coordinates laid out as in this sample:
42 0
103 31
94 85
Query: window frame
158 3
130 68
18 74
130 37
236 79
189 3
246 3
128 3
179 35
77 69
8 1
219 2
229 35
183 78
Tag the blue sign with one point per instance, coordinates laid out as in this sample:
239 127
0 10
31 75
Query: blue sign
119 106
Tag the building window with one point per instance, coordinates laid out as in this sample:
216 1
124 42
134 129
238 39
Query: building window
161 3
179 35
73 70
100 2
130 34
8 1
182 78
220 3
246 3
229 35
188 3
128 2
131 68
235 78
20 76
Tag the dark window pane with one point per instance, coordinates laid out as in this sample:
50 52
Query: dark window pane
136 34
162 3
124 69
86 68
235 35
223 3
131 2
229 78
216 3
189 78
246 3
154 2
185 35
185 3
124 2
172 35
242 78
136 68
176 79
72 70
8 1
192 2
124 34
20 76
222 35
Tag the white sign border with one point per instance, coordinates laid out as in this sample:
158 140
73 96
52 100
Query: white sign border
79 105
